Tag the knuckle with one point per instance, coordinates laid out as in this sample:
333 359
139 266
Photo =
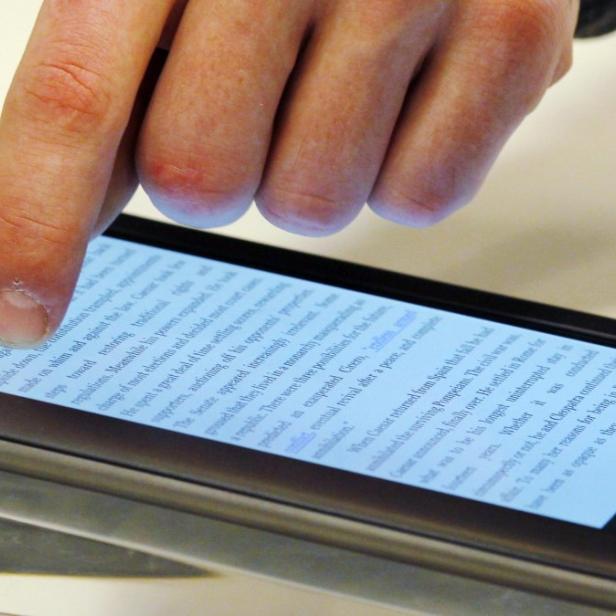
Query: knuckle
173 178
527 26
520 44
21 229
413 208
68 94
193 189
305 211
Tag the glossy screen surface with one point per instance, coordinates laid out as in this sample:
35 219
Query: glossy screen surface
375 386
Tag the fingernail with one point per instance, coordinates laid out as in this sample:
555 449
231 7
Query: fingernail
23 321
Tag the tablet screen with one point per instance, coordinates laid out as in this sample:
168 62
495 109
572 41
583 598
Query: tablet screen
376 386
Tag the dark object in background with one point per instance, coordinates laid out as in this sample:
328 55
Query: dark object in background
596 17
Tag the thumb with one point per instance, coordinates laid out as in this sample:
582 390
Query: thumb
60 129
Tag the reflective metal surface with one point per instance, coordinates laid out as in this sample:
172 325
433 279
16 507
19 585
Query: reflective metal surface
290 566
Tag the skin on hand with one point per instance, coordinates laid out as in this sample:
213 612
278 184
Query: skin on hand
310 107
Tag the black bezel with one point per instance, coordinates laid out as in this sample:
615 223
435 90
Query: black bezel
313 486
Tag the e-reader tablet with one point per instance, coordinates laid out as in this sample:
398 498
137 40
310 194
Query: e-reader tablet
374 397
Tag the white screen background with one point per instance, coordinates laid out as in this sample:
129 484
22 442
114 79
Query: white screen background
393 390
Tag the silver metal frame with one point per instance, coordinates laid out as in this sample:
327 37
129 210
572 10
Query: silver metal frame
103 490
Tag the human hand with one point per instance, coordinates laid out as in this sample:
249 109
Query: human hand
314 107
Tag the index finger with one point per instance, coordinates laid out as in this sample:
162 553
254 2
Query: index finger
60 128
